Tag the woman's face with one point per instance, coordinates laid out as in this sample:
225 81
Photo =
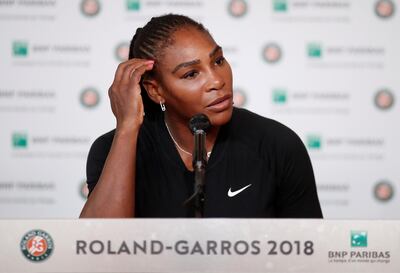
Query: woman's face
194 77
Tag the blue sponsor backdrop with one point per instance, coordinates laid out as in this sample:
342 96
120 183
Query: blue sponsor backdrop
327 69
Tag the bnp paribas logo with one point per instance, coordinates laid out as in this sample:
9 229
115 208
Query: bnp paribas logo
279 5
314 142
279 96
133 5
19 140
359 238
90 8
20 48
37 245
314 50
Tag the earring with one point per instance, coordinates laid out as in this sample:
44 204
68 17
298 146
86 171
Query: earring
162 105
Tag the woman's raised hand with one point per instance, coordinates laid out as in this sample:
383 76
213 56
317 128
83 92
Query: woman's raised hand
124 93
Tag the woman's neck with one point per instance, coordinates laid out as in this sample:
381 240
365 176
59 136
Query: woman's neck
183 138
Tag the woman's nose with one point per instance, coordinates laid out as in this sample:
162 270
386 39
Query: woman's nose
215 80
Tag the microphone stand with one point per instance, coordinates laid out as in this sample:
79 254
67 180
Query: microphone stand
199 165
198 125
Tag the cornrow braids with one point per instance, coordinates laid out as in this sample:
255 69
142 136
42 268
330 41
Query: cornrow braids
149 42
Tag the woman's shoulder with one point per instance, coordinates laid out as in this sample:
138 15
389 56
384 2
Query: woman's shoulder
252 124
101 146
265 136
106 137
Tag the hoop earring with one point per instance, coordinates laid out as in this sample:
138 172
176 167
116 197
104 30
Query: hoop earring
162 105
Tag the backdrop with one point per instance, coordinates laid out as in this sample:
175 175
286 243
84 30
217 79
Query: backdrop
328 69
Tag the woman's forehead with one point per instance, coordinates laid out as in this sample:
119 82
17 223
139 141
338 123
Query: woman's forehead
188 44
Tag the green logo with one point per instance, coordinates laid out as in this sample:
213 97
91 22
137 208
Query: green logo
37 245
133 4
280 5
279 96
359 239
20 140
314 142
20 48
314 50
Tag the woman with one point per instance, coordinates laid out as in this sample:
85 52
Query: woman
256 167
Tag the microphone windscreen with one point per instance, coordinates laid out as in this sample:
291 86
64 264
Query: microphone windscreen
199 122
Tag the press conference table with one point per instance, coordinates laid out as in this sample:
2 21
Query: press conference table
199 245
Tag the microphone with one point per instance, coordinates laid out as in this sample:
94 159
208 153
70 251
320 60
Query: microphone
198 125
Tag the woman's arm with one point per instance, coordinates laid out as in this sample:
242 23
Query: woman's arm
297 191
114 194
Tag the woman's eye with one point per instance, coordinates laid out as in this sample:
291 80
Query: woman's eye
190 75
220 60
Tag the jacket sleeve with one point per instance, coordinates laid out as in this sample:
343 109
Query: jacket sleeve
96 158
297 193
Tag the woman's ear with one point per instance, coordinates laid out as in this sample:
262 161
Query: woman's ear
153 90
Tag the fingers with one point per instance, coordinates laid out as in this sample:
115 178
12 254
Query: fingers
122 68
124 93
135 71
128 72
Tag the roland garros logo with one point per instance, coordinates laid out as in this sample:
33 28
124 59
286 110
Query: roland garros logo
37 245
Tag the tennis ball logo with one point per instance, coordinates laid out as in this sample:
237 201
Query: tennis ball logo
90 8
37 245
84 190
383 191
89 97
384 99
384 8
272 53
239 98
122 52
237 8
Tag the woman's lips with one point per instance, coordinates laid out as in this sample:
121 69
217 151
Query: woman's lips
221 104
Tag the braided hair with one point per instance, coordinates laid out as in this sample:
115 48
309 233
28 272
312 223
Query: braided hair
149 42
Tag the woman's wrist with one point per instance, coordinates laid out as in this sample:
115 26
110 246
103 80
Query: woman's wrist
127 130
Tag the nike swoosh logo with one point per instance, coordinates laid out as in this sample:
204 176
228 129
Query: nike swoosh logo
233 193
